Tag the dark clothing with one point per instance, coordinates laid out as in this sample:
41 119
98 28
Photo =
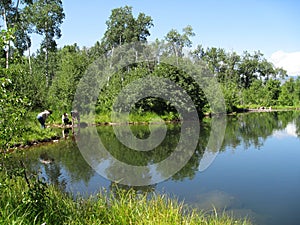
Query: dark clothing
42 121
66 120
43 116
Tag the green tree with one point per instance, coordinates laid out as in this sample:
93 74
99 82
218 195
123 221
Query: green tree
246 79
12 105
71 67
14 19
230 69
45 18
232 96
297 91
176 41
123 28
255 66
215 57
95 51
272 87
255 94
286 96
12 110
222 64
248 68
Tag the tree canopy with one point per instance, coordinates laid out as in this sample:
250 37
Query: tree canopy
49 77
123 28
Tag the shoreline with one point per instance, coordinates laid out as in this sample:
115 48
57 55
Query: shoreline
57 138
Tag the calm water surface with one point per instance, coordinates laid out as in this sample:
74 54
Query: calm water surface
256 172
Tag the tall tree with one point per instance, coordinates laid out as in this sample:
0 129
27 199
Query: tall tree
46 18
286 96
297 91
12 16
255 66
272 87
122 28
12 105
72 63
178 41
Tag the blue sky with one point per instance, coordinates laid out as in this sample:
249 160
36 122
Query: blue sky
273 27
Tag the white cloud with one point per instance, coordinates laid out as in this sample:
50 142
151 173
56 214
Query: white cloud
290 130
290 61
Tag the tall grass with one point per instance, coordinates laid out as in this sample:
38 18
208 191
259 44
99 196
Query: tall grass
31 201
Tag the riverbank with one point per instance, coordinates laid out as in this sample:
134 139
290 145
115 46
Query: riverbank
33 135
258 108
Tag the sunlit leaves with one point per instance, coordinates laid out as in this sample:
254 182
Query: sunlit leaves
123 28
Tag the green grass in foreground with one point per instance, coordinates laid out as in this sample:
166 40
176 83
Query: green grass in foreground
34 202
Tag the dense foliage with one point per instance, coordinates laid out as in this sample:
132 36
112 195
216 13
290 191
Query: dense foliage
49 77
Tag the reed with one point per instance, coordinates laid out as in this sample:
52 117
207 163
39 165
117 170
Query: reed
31 201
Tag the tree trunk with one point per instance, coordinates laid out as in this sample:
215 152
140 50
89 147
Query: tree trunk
7 45
47 54
29 61
112 56
47 68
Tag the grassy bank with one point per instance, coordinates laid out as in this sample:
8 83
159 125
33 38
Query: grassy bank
34 202
31 133
136 117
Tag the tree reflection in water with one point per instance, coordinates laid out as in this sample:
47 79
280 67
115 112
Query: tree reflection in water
68 166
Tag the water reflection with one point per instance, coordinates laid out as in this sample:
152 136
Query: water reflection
254 128
248 182
242 130
121 164
290 130
52 170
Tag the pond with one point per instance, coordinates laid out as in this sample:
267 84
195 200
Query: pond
256 172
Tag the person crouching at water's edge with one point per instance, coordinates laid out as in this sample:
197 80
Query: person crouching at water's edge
65 119
42 116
